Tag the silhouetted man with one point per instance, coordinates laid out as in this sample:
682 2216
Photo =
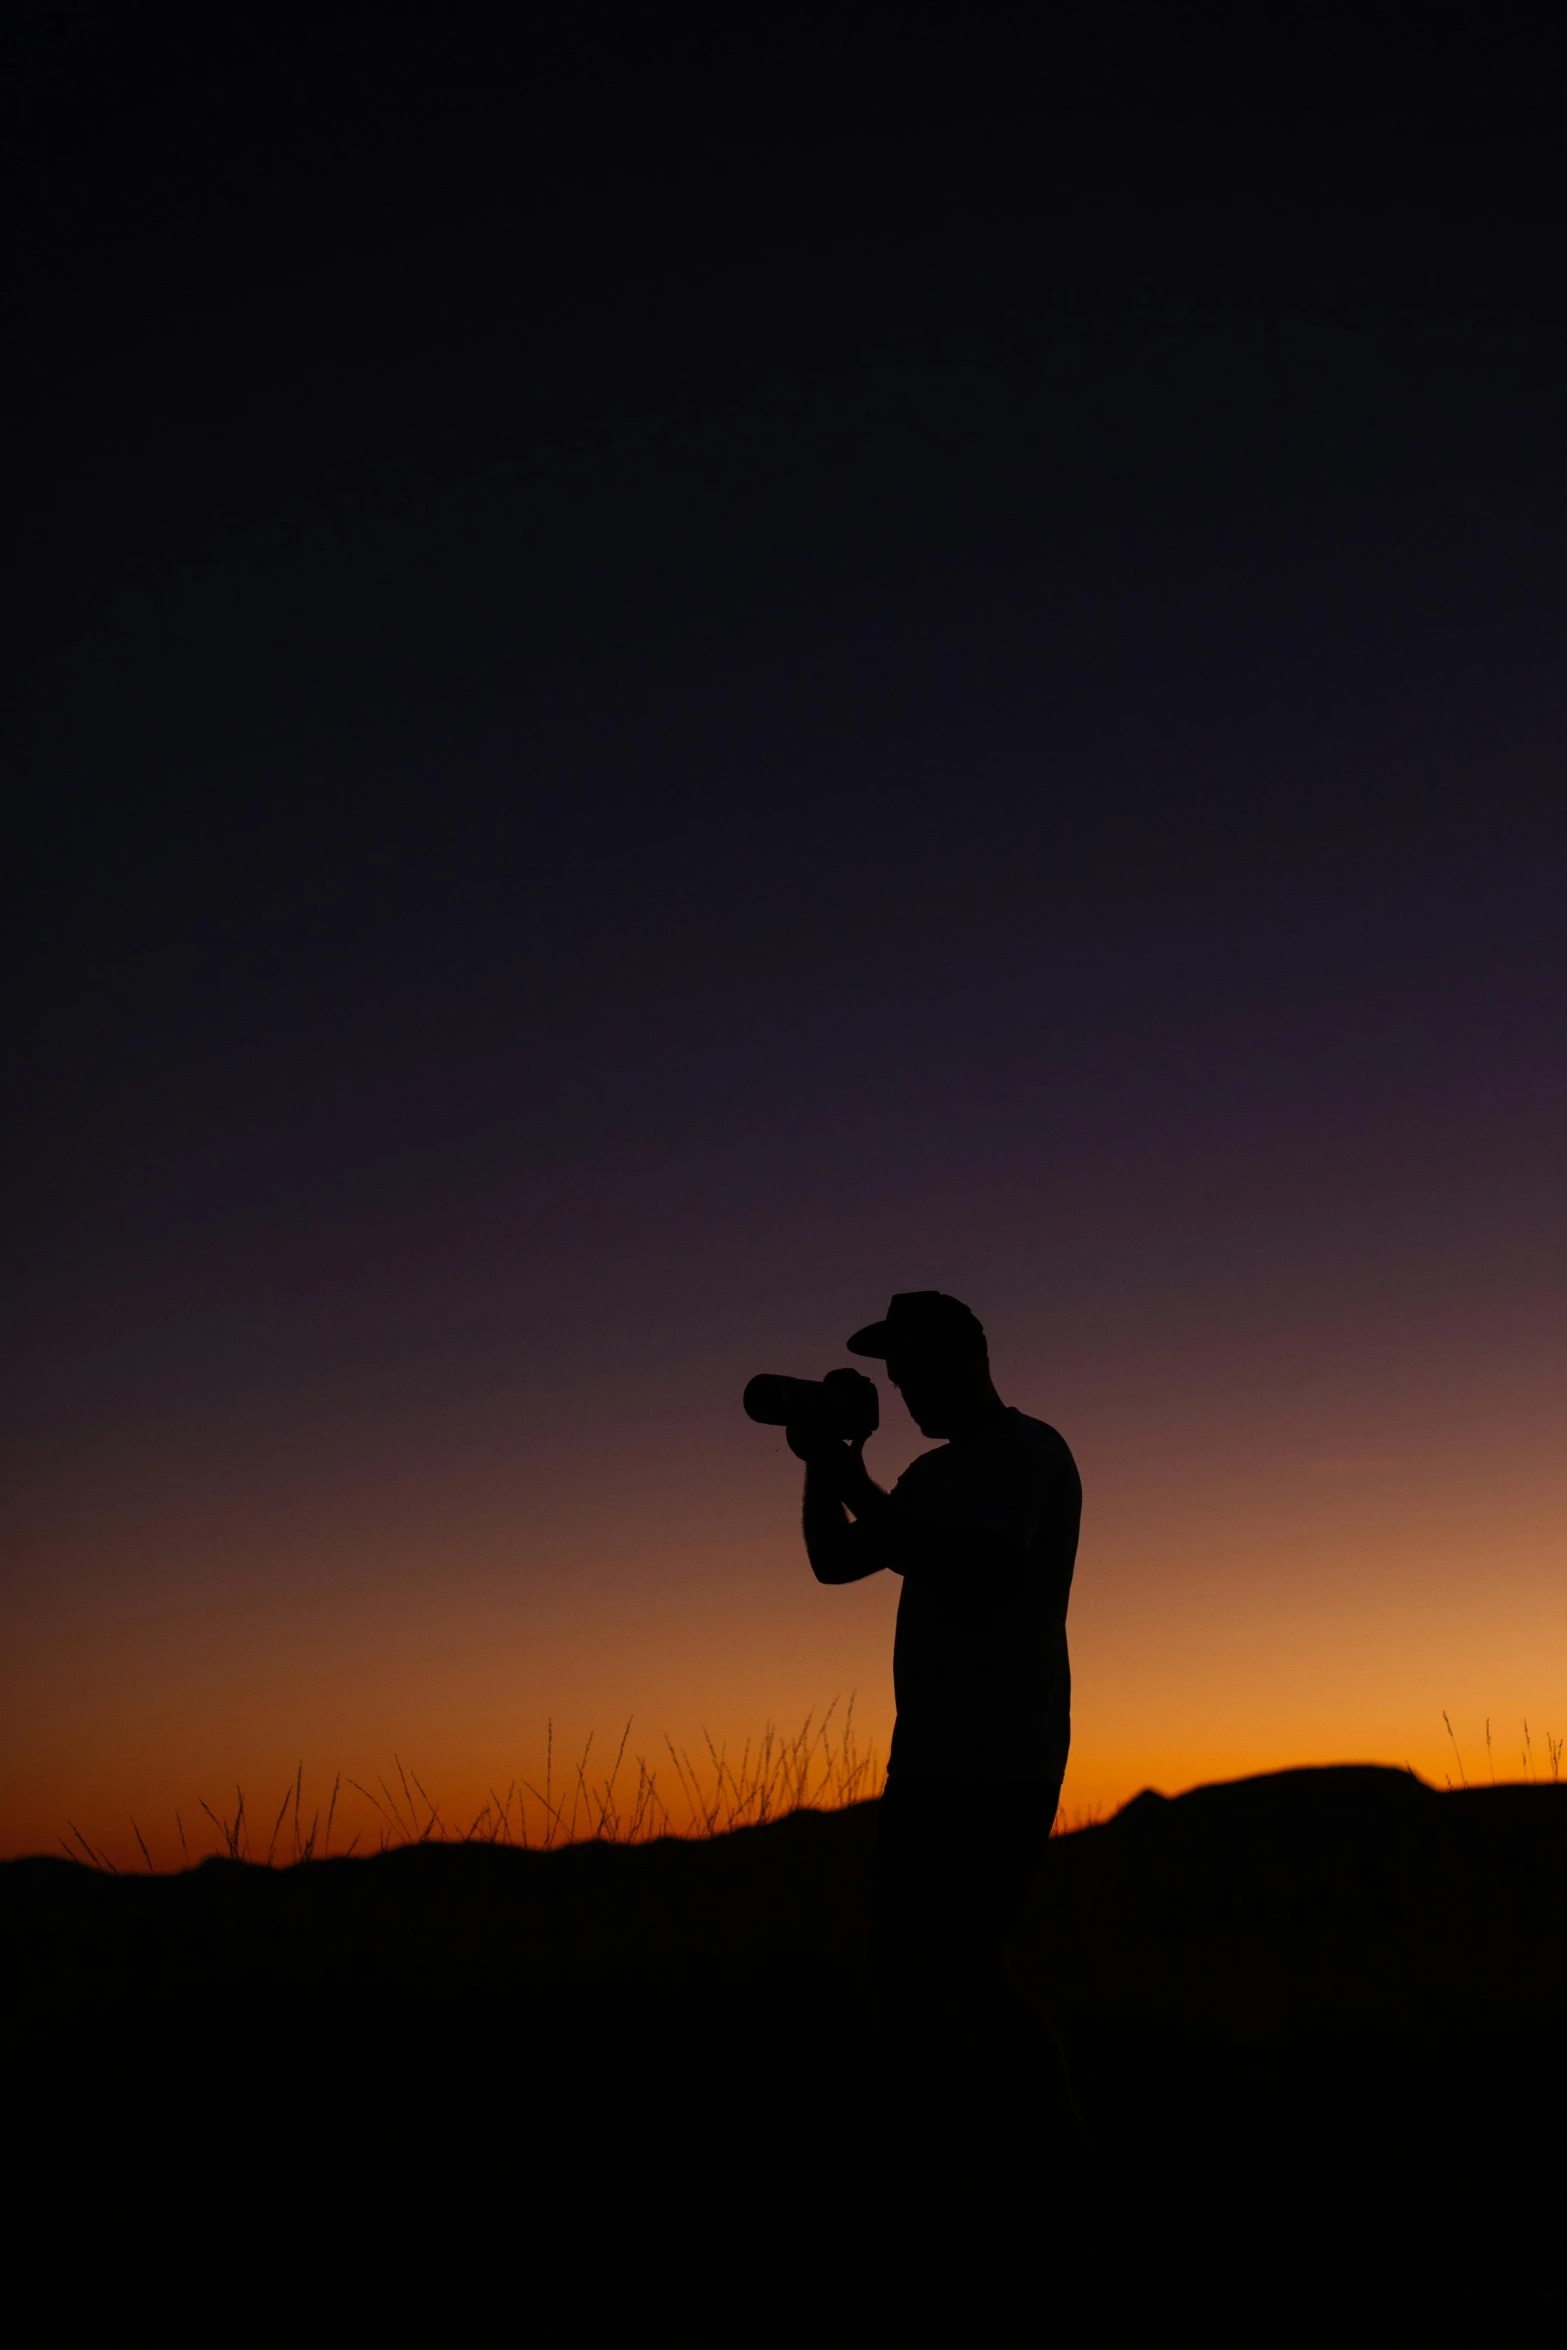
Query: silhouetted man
983 1531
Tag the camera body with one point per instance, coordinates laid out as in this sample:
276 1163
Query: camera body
844 1404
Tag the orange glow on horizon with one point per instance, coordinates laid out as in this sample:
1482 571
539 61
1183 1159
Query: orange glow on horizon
1270 1574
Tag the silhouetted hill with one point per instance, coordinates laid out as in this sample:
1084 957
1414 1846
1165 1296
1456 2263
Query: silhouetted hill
1310 1900
1328 1995
1296 1987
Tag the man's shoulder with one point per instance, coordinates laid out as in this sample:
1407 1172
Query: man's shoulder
1040 1450
1012 1446
1037 1435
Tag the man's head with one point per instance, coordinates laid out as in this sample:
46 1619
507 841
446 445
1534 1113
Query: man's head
935 1352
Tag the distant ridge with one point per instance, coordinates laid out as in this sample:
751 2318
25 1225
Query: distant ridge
1268 1905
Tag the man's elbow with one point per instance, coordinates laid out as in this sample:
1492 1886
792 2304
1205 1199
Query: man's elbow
835 1562
850 1563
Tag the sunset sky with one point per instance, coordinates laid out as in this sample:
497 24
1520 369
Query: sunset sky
673 682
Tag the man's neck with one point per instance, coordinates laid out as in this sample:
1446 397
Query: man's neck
978 1415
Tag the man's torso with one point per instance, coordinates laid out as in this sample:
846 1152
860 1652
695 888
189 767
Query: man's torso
980 1666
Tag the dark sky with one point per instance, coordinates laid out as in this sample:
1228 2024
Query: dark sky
641 649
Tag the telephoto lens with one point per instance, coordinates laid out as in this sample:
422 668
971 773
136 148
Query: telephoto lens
775 1401
843 1404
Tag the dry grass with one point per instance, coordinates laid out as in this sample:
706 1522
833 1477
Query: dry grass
687 1798
1529 1774
772 1777
1087 1815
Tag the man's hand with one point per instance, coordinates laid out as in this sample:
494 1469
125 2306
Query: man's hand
837 1468
837 1483
818 1447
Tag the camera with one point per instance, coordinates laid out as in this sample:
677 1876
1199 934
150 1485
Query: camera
844 1404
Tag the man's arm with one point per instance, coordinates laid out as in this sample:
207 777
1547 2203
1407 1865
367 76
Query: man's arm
844 1548
854 1529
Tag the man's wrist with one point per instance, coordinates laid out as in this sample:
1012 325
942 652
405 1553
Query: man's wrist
808 1444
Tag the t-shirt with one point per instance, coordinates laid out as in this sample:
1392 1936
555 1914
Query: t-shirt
979 1664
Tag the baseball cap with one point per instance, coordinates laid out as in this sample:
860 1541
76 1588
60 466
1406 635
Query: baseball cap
921 1321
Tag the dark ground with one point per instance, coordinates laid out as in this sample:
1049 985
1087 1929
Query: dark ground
1322 2002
